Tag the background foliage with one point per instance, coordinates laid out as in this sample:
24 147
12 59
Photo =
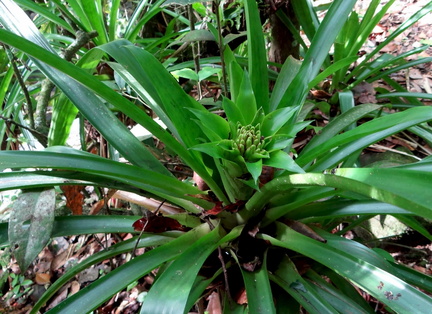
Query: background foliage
265 226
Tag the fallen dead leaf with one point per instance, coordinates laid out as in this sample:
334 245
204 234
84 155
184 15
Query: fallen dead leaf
75 287
214 305
42 278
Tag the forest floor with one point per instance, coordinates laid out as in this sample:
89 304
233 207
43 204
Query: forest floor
409 249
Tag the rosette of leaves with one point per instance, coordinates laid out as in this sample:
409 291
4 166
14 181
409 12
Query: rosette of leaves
247 140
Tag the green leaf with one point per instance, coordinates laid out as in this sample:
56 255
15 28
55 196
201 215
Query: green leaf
287 74
338 124
64 111
214 122
255 169
186 73
410 21
246 101
317 53
142 14
166 297
235 73
337 298
95 14
34 7
362 136
99 291
257 56
406 95
288 278
221 149
70 159
38 207
412 276
384 179
198 35
181 2
206 72
232 111
259 293
275 120
331 70
395 293
73 225
25 179
341 208
280 159
369 183
89 104
126 246
307 17
156 81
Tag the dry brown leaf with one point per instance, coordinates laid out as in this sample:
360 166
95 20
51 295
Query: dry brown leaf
415 74
42 278
62 295
74 198
242 297
214 305
75 287
63 257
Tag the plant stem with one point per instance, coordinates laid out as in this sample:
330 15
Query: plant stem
33 131
221 49
195 48
17 73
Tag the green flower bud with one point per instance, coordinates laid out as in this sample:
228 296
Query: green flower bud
248 141
241 148
249 152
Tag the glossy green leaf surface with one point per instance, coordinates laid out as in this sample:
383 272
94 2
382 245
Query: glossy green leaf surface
119 248
98 292
336 298
257 54
30 5
89 163
287 277
258 290
52 66
395 293
362 136
164 297
317 53
73 225
370 184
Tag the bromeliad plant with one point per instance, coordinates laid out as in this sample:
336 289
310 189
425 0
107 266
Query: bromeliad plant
273 238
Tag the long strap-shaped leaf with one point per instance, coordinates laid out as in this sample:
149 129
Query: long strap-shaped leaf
378 184
166 297
119 248
12 17
361 137
101 290
105 121
258 290
289 279
318 51
395 293
257 55
141 178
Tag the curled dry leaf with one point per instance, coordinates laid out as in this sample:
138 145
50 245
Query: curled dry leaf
74 198
157 224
